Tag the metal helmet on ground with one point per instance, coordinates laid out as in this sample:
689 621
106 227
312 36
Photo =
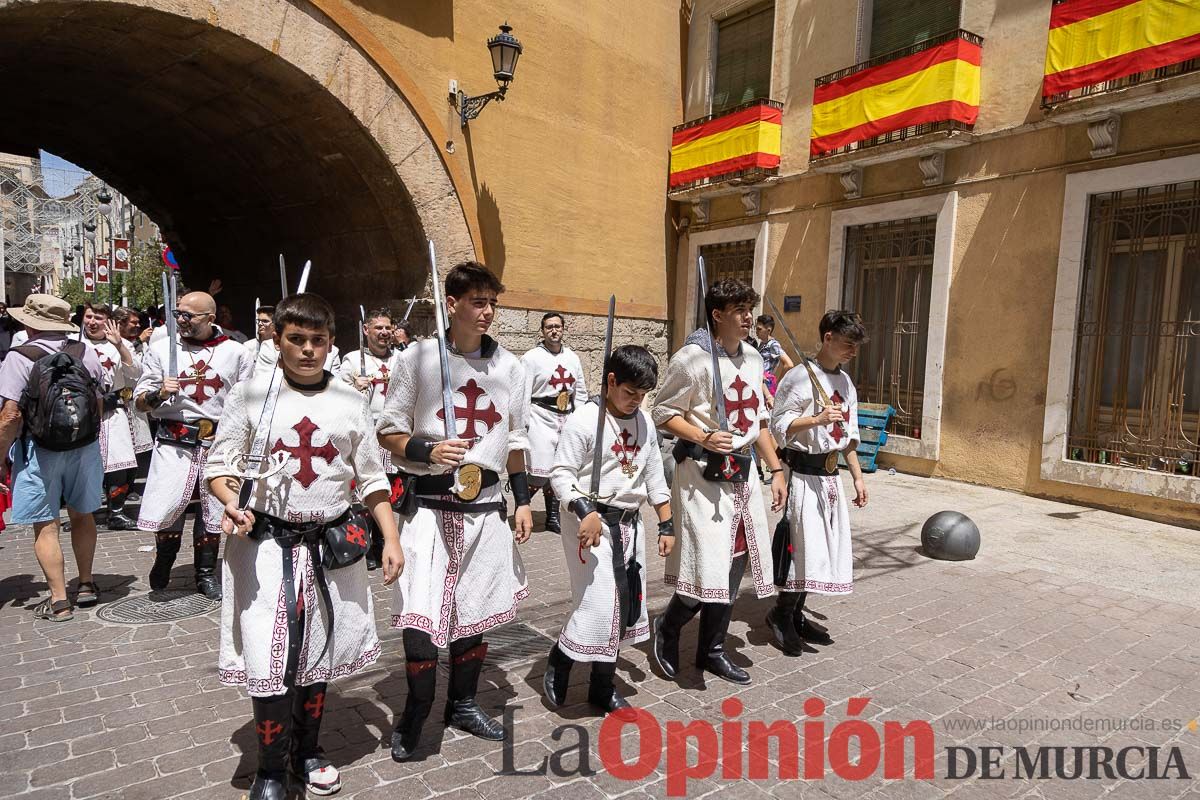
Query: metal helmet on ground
950 536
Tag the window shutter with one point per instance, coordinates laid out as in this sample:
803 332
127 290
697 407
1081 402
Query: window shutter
897 24
743 62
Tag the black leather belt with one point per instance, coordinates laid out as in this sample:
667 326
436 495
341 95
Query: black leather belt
444 484
811 463
187 434
551 404
614 515
289 535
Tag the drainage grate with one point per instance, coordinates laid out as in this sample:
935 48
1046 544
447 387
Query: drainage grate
512 644
164 606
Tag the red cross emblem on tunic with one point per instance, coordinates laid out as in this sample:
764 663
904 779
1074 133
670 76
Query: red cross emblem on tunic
199 383
742 409
625 451
381 378
561 379
107 363
472 411
839 429
305 451
315 706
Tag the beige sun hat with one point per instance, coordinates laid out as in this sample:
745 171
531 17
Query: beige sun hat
44 312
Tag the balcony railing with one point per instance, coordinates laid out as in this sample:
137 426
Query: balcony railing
741 144
930 86
1084 55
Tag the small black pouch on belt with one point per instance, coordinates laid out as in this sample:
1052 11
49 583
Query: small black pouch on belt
733 468
346 540
628 573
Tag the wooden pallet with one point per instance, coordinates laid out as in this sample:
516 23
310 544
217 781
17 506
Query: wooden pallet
873 419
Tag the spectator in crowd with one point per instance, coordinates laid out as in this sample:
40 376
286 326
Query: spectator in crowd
43 479
225 321
8 328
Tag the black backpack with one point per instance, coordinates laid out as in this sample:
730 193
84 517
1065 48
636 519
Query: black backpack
61 401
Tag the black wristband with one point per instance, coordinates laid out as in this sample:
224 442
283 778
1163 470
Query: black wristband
582 507
419 450
666 527
154 399
519 481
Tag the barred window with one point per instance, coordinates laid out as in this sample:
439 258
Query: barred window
742 67
889 269
1136 389
726 260
897 24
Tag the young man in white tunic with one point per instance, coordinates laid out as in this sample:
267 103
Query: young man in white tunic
465 576
815 418
291 621
554 381
720 515
129 322
379 360
121 372
264 331
603 539
187 407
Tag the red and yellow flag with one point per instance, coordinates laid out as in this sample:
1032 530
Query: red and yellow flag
934 85
1092 41
745 139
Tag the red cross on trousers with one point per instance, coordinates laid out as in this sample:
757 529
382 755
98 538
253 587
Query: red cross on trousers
315 706
268 729
736 408
305 451
562 378
625 452
199 383
471 413
839 429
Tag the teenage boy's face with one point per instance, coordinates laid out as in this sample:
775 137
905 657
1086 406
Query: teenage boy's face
841 348
624 397
93 324
734 321
761 332
379 333
302 351
475 310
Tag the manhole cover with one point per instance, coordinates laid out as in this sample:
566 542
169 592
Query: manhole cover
511 644
164 606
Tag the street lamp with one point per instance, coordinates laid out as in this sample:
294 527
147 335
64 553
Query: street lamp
104 201
505 51
89 231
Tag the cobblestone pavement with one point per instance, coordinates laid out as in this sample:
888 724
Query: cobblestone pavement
1070 618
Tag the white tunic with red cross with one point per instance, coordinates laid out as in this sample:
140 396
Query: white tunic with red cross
549 376
328 437
462 572
714 520
818 512
116 430
379 372
208 371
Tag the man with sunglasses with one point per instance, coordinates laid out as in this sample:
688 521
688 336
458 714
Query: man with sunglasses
187 406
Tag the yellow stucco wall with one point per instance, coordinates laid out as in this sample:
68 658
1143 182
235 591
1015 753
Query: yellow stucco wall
569 173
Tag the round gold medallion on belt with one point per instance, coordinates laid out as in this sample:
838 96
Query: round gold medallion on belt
126 395
831 460
563 401
469 481
205 429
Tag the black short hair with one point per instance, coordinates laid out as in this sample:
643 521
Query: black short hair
552 315
372 313
728 292
846 324
264 310
632 363
97 308
306 310
471 275
405 326
767 321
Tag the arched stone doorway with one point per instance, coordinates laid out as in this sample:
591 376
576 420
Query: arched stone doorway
246 128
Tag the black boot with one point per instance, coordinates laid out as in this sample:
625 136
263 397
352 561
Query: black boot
208 582
166 547
406 733
808 631
308 759
375 550
462 711
667 628
558 676
273 726
603 694
780 620
710 648
116 491
553 521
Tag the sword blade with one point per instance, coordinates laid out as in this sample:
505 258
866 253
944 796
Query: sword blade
408 310
602 413
718 392
362 353
304 278
283 286
439 320
172 329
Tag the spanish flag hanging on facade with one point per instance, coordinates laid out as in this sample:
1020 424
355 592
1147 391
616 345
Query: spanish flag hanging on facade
1092 41
934 85
747 138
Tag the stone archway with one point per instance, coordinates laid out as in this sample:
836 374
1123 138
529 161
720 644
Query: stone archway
246 128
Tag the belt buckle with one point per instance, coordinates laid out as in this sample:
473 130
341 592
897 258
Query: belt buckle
831 460
126 395
468 482
563 401
205 429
